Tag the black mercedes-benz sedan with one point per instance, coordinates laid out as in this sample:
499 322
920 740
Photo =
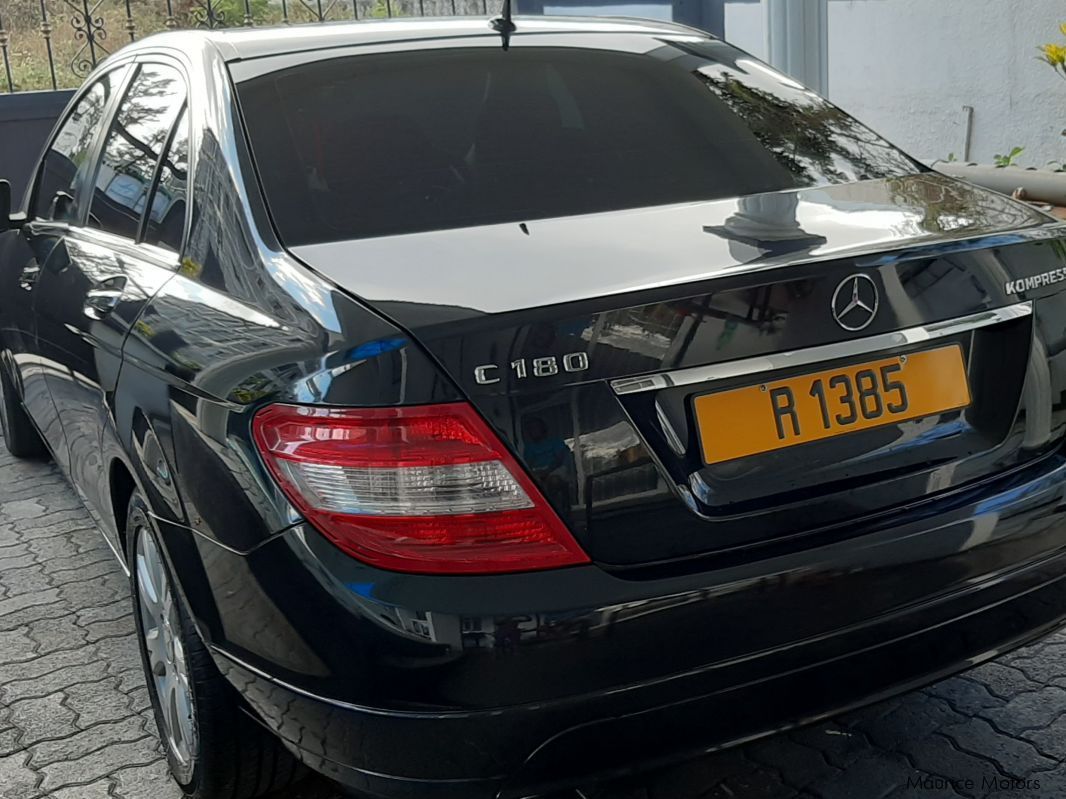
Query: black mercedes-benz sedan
479 411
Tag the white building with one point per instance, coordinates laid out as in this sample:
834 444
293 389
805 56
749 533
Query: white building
920 72
911 69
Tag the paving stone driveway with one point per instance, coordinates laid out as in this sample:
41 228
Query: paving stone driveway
75 721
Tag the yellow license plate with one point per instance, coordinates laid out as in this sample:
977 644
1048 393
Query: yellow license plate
834 402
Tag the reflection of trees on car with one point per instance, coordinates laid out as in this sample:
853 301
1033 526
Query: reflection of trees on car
77 135
814 140
70 151
947 207
135 140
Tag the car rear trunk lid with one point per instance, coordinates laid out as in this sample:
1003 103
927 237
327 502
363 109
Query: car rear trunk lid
590 342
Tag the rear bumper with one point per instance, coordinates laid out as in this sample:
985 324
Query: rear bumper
629 684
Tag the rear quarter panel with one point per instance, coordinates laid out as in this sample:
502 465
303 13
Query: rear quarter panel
240 325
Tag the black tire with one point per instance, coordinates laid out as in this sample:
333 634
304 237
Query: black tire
20 436
232 757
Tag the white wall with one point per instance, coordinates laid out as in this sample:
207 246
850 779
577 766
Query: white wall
907 68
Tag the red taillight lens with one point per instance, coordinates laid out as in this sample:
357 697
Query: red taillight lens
418 489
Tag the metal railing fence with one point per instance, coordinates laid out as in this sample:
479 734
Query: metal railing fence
54 44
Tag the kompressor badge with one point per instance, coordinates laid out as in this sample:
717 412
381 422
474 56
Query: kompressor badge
1035 281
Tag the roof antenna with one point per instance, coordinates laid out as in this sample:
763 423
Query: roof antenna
503 24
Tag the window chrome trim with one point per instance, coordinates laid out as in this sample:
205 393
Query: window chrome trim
826 352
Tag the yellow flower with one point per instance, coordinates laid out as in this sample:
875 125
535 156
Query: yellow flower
1062 28
1054 54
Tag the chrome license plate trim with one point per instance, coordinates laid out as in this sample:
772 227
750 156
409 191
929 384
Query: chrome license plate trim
827 352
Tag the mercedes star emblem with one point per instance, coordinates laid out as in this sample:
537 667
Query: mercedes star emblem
855 302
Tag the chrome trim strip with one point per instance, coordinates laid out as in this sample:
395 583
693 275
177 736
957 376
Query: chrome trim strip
826 352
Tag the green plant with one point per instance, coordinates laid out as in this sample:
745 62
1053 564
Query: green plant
383 9
234 10
951 157
1010 159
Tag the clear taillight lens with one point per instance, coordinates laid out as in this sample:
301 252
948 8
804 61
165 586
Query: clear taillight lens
419 489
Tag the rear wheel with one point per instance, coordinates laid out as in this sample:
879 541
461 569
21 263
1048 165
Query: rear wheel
20 436
215 751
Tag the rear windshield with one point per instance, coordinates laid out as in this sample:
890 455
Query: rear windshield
375 145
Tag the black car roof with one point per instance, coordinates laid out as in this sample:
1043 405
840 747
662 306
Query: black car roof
245 43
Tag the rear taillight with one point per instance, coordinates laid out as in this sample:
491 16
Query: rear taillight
418 489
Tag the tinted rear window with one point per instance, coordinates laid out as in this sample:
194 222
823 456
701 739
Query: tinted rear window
384 144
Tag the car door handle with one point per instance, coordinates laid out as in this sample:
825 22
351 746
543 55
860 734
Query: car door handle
104 298
100 302
28 276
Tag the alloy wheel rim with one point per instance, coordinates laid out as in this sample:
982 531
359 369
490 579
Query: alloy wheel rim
162 642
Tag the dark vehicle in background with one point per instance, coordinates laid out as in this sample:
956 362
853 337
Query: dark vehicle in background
476 420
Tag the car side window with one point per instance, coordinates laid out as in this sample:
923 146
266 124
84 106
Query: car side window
70 152
137 136
165 226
